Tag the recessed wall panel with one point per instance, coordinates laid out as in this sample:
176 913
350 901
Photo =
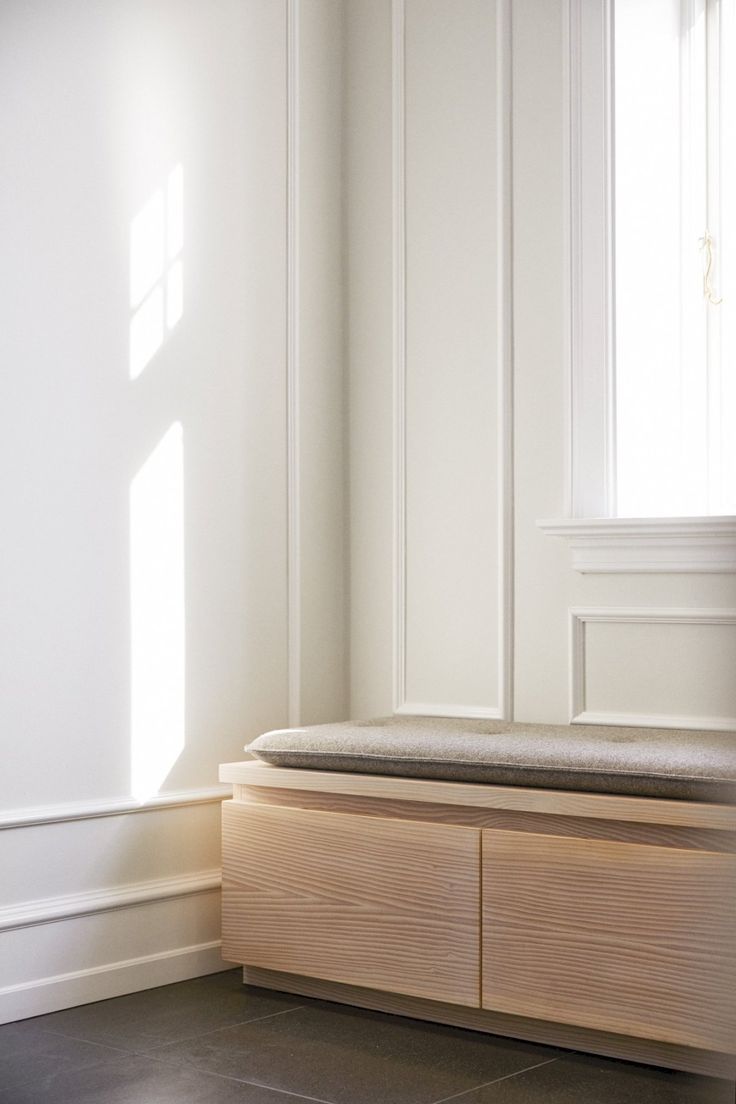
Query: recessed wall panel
660 669
451 416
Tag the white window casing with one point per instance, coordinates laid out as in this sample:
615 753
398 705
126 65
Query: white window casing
702 536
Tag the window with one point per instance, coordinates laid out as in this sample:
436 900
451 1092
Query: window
674 189
653 225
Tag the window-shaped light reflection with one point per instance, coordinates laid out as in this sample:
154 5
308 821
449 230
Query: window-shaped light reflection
156 270
146 331
157 615
175 213
174 294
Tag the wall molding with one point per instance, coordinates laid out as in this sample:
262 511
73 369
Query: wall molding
32 816
504 310
504 708
648 545
71 906
398 159
580 617
433 709
589 262
114 979
293 373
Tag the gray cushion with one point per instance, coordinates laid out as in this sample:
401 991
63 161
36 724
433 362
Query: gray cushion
645 762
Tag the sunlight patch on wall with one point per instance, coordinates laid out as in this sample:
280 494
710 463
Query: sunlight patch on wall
156 271
157 615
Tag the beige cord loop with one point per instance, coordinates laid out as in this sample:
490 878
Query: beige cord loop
706 243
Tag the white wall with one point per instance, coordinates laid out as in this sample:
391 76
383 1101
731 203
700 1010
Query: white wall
644 667
146 610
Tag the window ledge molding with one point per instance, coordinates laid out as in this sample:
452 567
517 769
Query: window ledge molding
648 545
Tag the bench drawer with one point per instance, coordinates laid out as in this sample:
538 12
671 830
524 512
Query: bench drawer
386 904
621 937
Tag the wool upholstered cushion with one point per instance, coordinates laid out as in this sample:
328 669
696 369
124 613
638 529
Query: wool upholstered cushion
643 762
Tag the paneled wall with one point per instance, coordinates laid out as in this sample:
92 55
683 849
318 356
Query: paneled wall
443 609
171 448
429 356
449 356
635 648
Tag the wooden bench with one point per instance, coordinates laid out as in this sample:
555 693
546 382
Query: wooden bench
598 921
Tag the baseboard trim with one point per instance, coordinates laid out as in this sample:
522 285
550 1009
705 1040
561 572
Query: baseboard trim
68 907
113 806
35 998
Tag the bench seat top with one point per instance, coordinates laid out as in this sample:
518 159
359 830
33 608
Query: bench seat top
692 765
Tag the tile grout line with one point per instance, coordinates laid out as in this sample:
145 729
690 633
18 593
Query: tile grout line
76 1039
225 1027
171 1042
496 1081
243 1080
190 1066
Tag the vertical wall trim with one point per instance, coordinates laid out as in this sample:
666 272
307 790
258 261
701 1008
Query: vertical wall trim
571 190
293 495
398 101
503 306
609 462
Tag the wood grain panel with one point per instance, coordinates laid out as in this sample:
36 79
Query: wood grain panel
551 824
386 904
654 1052
614 936
646 810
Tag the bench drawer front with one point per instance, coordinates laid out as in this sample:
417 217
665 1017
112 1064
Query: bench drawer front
622 937
387 904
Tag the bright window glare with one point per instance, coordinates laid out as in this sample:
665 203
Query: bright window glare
146 331
157 615
653 346
146 248
675 331
725 393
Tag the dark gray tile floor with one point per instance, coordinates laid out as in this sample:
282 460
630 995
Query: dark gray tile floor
212 1041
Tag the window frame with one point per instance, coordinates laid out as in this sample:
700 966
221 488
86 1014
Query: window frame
590 285
600 540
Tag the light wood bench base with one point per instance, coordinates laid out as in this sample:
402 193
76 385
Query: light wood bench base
587 921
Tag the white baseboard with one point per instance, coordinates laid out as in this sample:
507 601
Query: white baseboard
71 906
18 1002
32 816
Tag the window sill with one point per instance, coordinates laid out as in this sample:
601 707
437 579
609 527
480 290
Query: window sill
648 545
